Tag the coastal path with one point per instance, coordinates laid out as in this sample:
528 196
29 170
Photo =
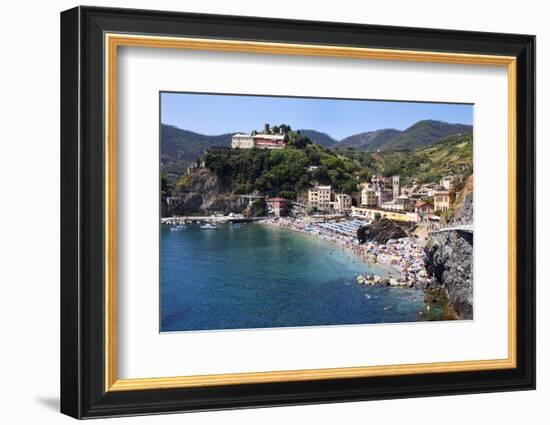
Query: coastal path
467 227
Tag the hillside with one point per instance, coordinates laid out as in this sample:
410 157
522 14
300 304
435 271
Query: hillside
318 137
288 172
451 155
282 172
370 140
179 148
384 149
425 133
420 134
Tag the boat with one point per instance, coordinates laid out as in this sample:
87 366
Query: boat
209 226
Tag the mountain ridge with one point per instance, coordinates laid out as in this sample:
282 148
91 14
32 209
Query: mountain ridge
422 133
180 148
319 137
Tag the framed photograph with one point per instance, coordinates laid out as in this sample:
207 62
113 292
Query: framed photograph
261 212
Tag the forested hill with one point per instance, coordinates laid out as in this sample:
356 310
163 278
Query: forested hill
319 138
420 134
302 164
369 140
450 155
179 148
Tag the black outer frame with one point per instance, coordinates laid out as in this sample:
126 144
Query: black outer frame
82 207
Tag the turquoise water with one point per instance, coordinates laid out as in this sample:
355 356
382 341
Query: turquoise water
255 276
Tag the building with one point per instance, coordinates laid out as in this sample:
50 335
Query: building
382 195
320 197
423 207
396 185
392 206
407 202
242 141
448 182
371 213
278 206
378 181
443 199
401 203
427 190
342 202
259 141
264 140
368 197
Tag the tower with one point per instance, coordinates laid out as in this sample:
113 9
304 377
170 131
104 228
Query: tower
396 186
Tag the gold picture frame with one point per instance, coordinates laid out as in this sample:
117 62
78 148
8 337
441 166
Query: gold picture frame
114 41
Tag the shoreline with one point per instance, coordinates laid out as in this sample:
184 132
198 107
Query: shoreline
386 269
402 263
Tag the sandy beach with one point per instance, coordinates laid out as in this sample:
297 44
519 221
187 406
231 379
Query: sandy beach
398 259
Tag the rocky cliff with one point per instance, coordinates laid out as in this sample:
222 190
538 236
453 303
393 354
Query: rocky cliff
203 194
450 257
464 212
449 260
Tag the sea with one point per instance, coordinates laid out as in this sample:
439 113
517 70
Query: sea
254 275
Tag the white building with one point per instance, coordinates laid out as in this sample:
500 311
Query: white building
259 141
342 202
448 182
242 141
267 139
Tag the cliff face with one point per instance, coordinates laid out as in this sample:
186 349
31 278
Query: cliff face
203 195
465 211
450 257
449 260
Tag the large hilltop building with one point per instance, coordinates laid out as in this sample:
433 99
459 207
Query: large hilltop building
267 139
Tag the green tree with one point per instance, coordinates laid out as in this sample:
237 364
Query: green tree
184 182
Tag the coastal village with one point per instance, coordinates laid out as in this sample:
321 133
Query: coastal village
407 214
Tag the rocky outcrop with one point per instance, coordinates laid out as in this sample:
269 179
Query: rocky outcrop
465 211
381 231
449 257
203 195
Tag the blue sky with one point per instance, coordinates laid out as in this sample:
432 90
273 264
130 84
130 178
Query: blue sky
217 114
